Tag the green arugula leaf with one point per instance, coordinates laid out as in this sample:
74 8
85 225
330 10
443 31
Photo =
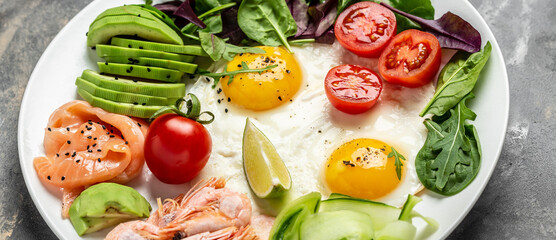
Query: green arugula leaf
456 80
398 162
244 69
212 45
451 156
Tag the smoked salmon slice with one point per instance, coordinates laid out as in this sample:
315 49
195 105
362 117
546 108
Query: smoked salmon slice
85 145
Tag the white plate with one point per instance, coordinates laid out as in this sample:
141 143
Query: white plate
52 84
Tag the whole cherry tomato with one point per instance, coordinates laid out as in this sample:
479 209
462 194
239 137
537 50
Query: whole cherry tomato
411 59
365 28
176 148
352 89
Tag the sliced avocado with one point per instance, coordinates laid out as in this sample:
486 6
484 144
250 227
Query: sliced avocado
126 10
106 204
343 224
146 61
116 51
123 97
102 30
170 90
173 48
288 221
119 108
154 73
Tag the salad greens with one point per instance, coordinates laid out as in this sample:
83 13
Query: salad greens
450 30
450 158
267 22
420 8
456 80
398 162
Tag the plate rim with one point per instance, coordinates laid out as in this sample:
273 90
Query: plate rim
56 228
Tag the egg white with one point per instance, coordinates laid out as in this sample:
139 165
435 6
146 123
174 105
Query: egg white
307 129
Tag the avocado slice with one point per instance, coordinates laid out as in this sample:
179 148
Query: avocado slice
113 51
154 73
134 110
342 224
126 10
123 97
102 30
106 204
162 63
170 90
163 47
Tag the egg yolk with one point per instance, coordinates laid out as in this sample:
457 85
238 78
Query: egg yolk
268 89
361 168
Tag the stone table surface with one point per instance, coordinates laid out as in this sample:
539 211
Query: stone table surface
519 202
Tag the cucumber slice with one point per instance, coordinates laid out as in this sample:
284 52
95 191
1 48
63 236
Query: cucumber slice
116 51
342 224
181 49
170 90
119 108
146 61
381 214
288 221
154 73
124 97
103 29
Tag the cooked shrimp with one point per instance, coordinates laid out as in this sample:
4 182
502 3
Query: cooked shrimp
207 211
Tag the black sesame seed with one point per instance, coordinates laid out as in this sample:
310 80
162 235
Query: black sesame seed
140 47
87 34
48 177
112 136
98 150
82 131
69 142
67 154
105 63
129 46
95 139
107 133
229 99
90 150
143 104
288 71
139 124
98 159
241 54
280 98
127 71
130 68
134 80
135 103
90 123
63 178
208 79
218 100
239 65
94 145
49 129
116 78
226 110
94 48
77 161
126 142
148 69
138 15
88 147
57 155
168 76
89 137
103 127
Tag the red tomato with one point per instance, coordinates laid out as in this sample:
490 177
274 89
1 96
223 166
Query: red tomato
176 148
352 89
411 59
365 28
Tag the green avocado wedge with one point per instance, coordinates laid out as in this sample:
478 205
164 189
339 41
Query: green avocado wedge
119 108
103 29
124 97
169 90
116 51
106 204
163 47
154 73
130 10
155 62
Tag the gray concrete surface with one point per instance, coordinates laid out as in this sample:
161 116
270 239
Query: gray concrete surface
518 203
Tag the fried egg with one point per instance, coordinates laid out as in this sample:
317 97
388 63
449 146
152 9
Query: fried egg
306 129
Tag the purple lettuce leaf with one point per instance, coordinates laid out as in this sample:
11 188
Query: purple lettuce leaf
186 11
450 30
298 9
323 15
230 28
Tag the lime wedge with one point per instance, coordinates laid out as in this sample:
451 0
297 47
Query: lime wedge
266 172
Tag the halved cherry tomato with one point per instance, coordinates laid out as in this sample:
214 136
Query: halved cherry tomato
352 89
176 148
365 28
411 59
